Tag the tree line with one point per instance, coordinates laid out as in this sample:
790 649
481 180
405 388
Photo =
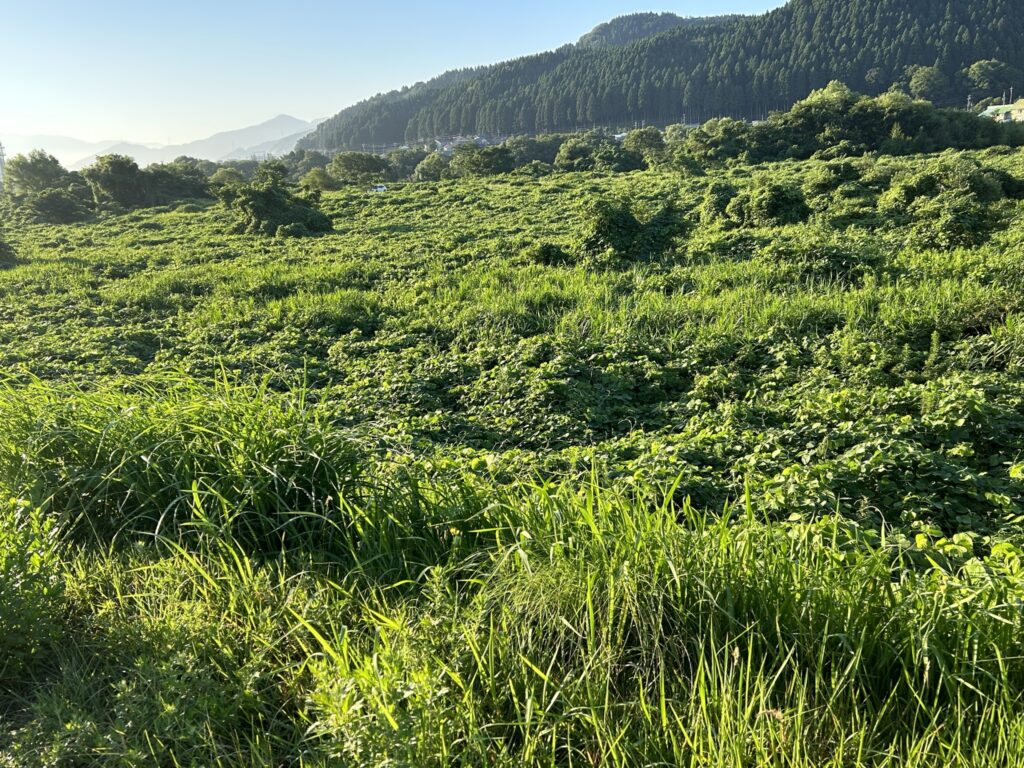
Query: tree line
281 196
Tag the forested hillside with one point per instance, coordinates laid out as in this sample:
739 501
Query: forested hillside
936 49
636 26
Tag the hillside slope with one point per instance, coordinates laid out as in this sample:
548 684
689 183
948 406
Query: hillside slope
743 67
636 26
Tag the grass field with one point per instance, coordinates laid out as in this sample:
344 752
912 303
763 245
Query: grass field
585 470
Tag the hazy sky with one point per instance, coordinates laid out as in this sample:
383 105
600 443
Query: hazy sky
171 72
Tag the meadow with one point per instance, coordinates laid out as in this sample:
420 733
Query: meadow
587 469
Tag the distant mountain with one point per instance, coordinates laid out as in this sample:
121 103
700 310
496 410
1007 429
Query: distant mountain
66 149
277 136
637 26
741 67
221 145
272 148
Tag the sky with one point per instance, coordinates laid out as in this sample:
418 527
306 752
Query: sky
170 72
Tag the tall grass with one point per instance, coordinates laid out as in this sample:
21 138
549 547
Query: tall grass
452 621
139 459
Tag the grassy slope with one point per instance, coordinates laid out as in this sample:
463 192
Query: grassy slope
284 516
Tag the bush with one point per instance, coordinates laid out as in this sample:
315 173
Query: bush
949 201
434 167
576 154
268 207
958 176
716 200
609 228
611 232
773 204
829 177
685 164
951 220
535 169
613 158
54 206
823 258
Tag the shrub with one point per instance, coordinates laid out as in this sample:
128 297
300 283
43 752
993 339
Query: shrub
549 255
716 200
949 201
829 177
54 206
774 203
609 226
824 258
576 154
957 175
268 207
685 164
953 219
612 158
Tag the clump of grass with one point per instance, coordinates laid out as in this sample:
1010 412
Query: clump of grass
140 459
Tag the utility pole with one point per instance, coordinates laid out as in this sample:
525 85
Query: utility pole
3 161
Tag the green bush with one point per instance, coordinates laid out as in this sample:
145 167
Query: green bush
958 176
716 201
775 204
828 177
953 219
609 227
55 206
268 207
549 255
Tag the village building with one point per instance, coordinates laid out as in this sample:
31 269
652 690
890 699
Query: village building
1006 113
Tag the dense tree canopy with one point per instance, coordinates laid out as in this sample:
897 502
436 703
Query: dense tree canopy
637 26
33 173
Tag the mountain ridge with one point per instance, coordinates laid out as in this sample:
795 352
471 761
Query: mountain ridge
223 145
276 136
629 28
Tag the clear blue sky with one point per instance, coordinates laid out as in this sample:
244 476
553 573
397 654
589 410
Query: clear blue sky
162 72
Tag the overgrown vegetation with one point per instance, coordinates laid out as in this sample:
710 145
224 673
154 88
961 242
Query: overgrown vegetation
830 124
576 468
268 207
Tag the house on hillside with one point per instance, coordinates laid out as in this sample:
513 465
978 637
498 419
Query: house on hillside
1006 113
